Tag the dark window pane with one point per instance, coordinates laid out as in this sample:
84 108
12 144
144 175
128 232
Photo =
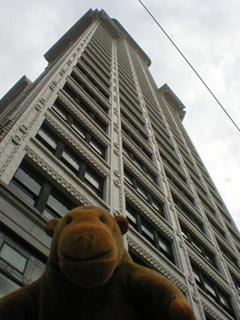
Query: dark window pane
26 184
97 147
93 180
142 192
28 180
56 205
47 138
79 130
70 160
7 285
147 231
60 110
13 257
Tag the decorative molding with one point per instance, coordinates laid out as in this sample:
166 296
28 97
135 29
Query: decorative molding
92 104
153 188
117 183
140 154
89 85
156 264
149 212
116 151
16 139
211 312
84 118
23 128
213 273
188 223
186 202
137 135
54 174
195 296
78 146
116 173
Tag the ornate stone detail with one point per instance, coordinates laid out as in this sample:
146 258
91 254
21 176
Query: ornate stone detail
180 242
88 100
83 117
190 279
154 189
148 211
160 267
116 173
210 311
23 128
79 146
16 139
195 296
139 153
56 176
86 82
62 72
195 231
116 151
234 271
213 273
137 135
116 145
117 183
38 107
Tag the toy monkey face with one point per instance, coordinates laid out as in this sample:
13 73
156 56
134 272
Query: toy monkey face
89 245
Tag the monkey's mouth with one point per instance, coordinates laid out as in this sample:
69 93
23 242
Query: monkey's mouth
95 257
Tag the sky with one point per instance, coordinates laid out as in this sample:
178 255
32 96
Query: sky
207 32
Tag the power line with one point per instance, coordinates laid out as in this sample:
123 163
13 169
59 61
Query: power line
190 65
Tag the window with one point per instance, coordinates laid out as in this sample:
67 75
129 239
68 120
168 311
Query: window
198 246
7 285
39 192
139 163
212 290
190 215
14 258
78 128
72 160
236 283
136 142
82 104
144 193
101 87
18 263
89 92
149 232
229 255
179 187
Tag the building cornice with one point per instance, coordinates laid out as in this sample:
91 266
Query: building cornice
172 100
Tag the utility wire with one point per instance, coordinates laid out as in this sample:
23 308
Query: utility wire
190 65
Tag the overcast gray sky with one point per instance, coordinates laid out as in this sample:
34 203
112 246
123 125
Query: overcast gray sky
206 31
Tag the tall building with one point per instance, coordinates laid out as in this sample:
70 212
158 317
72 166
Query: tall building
94 129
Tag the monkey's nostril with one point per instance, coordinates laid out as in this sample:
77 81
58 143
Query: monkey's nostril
80 239
91 237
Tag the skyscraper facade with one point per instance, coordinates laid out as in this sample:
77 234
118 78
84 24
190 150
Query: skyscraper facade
94 129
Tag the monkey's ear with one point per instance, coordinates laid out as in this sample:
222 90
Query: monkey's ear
50 227
122 223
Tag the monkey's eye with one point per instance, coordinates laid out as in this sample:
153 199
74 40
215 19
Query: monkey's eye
69 220
102 219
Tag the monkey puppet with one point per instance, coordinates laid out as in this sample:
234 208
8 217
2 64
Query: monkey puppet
90 276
